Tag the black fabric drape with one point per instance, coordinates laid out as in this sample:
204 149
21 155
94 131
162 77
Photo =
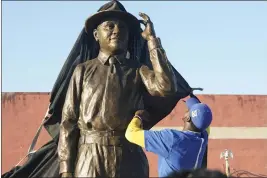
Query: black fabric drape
42 163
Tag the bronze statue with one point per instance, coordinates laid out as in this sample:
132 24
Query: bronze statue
115 75
105 92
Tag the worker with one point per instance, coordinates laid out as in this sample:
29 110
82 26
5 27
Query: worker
177 150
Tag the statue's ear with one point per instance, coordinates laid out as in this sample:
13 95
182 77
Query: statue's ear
95 33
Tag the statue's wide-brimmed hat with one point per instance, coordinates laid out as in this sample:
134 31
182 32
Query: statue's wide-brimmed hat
113 9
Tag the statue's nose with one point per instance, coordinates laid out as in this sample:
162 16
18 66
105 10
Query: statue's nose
116 29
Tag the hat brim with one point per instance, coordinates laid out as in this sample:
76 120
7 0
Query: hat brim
132 22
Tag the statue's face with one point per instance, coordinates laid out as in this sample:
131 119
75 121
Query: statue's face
112 35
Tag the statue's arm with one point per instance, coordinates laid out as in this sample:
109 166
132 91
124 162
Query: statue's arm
161 80
69 131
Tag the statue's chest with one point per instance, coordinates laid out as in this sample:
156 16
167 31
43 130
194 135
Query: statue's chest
98 77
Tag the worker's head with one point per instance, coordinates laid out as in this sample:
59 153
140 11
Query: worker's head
198 117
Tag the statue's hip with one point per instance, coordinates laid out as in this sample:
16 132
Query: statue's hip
109 154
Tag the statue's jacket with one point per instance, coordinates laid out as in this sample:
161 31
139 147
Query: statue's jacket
98 109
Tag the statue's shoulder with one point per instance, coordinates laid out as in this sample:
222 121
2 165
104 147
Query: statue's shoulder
88 63
86 66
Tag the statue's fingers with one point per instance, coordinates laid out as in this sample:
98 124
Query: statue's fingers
143 22
141 15
147 17
144 16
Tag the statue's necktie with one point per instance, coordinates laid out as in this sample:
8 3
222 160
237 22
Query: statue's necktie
111 99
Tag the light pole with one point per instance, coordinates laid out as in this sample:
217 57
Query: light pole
226 154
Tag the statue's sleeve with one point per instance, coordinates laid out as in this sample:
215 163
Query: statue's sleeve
160 81
69 131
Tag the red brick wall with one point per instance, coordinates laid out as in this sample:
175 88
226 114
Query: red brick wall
22 114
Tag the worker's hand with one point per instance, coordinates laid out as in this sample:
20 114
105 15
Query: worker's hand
67 175
142 115
192 94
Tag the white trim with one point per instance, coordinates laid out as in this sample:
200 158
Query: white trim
231 132
200 149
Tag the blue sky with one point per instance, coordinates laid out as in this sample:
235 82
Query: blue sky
220 46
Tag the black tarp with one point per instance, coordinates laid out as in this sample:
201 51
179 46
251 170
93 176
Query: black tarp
42 163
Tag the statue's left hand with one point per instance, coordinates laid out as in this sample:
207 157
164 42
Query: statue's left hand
149 32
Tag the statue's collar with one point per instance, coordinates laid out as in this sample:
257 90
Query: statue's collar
103 57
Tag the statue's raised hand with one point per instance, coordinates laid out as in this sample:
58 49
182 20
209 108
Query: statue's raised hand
149 32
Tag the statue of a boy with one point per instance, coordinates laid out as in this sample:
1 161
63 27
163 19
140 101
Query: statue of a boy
104 94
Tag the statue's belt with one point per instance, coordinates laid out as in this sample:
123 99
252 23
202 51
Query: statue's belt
106 138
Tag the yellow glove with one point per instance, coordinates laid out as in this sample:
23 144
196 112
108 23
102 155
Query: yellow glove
208 130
